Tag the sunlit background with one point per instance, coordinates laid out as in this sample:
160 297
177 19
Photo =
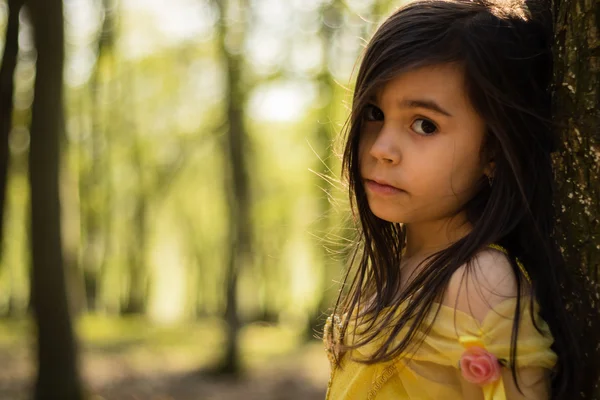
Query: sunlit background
200 189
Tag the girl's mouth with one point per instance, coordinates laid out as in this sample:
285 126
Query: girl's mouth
382 188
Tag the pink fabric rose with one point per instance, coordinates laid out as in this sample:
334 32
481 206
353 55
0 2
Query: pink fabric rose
479 366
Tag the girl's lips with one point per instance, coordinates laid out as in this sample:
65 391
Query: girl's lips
378 188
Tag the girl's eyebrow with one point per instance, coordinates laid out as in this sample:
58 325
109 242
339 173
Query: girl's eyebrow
418 103
423 103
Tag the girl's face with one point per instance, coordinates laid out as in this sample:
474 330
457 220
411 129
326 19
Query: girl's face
419 149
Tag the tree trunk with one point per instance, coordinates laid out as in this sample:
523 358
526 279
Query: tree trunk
57 376
139 280
577 164
138 271
235 148
95 179
7 70
577 100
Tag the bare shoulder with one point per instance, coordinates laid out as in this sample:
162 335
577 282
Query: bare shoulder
479 287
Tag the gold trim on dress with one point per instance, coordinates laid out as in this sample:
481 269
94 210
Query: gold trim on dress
519 263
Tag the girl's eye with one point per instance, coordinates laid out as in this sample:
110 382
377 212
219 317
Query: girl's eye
372 113
424 127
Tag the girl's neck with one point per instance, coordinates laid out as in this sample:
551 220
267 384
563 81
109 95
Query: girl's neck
426 238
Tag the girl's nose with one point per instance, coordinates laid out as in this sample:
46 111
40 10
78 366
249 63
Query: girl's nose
385 147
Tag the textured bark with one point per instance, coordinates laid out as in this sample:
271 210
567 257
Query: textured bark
57 376
577 102
577 163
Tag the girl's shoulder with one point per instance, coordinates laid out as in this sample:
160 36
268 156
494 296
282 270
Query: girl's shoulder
480 286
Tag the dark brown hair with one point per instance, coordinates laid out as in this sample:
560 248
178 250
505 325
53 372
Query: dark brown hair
504 48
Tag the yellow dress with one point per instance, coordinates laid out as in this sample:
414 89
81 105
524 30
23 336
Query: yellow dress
430 371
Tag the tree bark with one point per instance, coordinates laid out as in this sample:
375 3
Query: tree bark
577 111
577 163
57 376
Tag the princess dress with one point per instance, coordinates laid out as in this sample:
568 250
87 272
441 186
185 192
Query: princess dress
431 370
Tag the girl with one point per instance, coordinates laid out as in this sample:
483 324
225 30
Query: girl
458 288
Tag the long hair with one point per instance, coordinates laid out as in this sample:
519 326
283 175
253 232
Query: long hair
504 48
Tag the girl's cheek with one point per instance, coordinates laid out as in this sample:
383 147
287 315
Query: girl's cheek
364 144
368 135
361 148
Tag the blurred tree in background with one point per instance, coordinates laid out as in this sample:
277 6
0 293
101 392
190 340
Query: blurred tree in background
203 225
58 375
7 70
236 150
93 180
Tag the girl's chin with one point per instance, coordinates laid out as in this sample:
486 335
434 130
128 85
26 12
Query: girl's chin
388 215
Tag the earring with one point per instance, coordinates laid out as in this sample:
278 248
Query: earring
490 180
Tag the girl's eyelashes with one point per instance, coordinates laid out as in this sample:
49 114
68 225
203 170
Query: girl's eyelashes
421 126
372 113
424 127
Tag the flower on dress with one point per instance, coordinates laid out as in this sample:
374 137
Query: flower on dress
479 366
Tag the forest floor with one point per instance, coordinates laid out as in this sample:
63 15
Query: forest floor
133 360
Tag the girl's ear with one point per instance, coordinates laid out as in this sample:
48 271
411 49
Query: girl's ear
490 169
488 156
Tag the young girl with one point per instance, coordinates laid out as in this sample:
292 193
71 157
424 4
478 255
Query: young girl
458 288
